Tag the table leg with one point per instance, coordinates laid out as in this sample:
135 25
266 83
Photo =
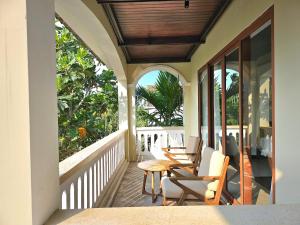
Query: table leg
160 187
144 182
152 187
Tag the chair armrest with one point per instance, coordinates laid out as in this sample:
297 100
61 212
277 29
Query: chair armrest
176 165
179 153
168 148
205 178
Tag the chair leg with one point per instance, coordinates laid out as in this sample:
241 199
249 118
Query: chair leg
182 198
144 182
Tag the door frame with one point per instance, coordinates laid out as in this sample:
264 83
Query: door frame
236 43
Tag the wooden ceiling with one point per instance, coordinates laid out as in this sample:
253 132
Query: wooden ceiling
155 31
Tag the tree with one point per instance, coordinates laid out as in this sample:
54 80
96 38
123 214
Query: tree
87 95
166 98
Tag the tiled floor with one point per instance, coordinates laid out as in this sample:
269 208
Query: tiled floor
130 190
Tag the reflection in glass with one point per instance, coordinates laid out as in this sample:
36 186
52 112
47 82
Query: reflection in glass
217 104
232 123
257 116
204 107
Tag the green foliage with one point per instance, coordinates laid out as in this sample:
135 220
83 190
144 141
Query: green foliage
232 100
167 100
87 97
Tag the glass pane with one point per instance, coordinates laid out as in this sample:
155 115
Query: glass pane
217 103
204 107
232 123
257 116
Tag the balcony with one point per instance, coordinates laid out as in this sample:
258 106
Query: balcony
222 51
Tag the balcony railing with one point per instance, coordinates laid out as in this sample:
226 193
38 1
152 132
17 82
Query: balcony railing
87 179
151 139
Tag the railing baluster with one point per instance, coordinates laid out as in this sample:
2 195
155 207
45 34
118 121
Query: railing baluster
76 194
68 197
98 178
95 182
88 188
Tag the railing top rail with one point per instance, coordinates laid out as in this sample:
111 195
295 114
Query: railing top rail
74 163
158 128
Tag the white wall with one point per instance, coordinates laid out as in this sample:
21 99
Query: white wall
287 107
29 189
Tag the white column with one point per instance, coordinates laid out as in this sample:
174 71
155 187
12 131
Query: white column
131 122
188 119
123 112
29 189
123 104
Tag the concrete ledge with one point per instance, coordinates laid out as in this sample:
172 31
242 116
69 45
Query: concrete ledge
185 215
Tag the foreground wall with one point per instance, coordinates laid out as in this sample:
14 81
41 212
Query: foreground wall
29 190
239 15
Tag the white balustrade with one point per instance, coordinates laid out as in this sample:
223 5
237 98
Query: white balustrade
150 140
84 177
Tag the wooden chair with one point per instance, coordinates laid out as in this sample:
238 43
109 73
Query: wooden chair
205 187
186 158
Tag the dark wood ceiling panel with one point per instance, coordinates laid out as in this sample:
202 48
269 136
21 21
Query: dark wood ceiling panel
162 30
161 19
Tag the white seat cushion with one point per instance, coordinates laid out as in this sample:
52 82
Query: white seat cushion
171 190
211 164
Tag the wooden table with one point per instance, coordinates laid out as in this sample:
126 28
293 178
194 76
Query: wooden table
153 166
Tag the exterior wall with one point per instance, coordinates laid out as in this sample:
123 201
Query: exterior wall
29 189
287 83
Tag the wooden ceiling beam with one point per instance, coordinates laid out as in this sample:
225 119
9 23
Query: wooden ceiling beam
133 1
159 60
161 41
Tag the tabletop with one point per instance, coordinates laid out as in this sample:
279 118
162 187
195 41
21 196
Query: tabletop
154 165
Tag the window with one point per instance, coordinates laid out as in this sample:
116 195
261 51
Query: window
203 102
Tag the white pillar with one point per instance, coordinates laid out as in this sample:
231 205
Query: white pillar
188 120
123 104
131 122
123 112
29 189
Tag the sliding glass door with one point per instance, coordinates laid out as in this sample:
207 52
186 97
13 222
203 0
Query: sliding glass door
217 105
232 123
257 115
203 103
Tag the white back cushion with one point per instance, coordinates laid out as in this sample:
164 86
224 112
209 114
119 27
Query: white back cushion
192 144
211 164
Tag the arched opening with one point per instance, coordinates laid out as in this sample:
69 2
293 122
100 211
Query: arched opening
159 111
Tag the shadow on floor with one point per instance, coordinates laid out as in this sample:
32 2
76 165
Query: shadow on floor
130 191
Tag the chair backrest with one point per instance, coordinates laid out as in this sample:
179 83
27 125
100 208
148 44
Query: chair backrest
193 144
197 157
212 163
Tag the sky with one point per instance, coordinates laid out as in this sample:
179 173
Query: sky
149 78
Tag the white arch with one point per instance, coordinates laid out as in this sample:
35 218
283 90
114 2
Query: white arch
94 29
161 68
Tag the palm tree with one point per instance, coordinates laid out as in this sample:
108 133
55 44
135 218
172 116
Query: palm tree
166 98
